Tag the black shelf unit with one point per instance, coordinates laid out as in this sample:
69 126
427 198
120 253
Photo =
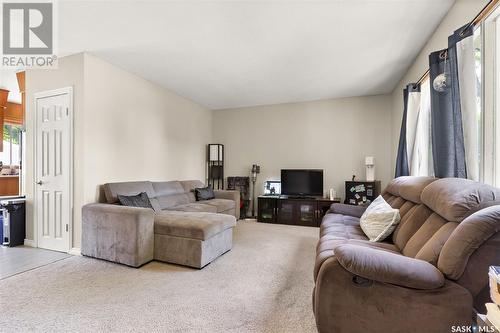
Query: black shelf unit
361 193
215 166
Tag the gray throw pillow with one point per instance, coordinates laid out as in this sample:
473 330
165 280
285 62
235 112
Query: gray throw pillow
204 193
139 200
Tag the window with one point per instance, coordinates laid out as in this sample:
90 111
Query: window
490 98
477 126
470 75
420 151
11 145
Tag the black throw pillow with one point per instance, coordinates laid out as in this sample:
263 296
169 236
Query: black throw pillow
204 193
139 200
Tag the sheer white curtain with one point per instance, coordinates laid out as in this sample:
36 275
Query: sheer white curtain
418 132
469 85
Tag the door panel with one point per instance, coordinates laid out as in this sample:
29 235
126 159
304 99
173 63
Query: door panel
53 170
286 214
267 210
306 213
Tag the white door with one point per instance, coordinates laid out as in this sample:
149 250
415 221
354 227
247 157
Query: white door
53 199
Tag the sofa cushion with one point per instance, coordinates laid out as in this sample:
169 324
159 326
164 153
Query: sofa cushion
329 242
111 190
222 205
410 188
407 187
171 201
139 200
423 234
342 226
170 194
455 198
192 225
195 207
409 224
189 186
168 188
393 186
405 208
431 250
344 209
397 202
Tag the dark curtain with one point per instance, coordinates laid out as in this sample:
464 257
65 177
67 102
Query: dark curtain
402 158
402 163
447 135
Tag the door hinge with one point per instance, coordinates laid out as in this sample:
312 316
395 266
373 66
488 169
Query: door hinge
67 227
67 111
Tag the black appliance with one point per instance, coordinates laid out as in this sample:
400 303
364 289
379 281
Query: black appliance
302 182
13 219
241 184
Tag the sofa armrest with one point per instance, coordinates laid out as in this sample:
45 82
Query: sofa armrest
230 195
387 267
351 210
118 233
342 302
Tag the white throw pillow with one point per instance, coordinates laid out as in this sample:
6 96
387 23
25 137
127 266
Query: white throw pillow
379 220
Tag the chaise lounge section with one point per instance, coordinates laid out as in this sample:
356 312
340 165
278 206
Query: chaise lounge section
428 276
177 230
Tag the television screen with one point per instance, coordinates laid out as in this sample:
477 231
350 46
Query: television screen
302 182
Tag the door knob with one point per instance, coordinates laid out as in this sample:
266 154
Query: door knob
39 182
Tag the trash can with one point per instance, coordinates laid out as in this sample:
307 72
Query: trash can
1 226
14 221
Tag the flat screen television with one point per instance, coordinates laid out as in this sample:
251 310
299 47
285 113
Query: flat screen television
302 182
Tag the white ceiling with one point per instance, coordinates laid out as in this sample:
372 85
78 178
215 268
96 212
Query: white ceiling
225 54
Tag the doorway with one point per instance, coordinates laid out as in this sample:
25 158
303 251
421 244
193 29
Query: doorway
53 168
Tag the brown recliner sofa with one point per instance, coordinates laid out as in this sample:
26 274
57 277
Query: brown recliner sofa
428 276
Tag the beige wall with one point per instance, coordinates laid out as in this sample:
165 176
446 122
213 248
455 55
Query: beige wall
334 135
461 13
136 130
126 128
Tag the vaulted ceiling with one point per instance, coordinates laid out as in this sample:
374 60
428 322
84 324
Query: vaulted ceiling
225 54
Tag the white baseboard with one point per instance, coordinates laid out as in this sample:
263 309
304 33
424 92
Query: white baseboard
29 242
75 251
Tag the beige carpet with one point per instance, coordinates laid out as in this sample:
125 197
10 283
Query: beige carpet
263 284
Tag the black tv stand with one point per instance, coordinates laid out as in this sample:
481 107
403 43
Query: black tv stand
297 197
294 210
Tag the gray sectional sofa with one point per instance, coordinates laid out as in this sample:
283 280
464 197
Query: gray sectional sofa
177 230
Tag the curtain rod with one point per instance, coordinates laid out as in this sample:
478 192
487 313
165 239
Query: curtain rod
423 77
488 9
